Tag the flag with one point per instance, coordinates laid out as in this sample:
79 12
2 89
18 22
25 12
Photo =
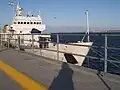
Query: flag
11 3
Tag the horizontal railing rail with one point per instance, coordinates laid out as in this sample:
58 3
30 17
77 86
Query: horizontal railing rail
33 41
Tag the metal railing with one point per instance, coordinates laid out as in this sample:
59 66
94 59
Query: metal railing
15 41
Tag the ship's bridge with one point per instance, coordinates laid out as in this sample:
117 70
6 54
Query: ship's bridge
27 23
28 18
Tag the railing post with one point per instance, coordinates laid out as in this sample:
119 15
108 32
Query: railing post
18 41
32 42
105 62
57 46
23 39
88 62
40 50
8 36
1 39
15 40
40 46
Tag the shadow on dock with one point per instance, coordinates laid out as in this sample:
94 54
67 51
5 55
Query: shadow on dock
64 79
103 81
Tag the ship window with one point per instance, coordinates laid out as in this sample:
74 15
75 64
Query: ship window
27 22
38 22
21 22
34 22
18 22
31 22
14 22
24 22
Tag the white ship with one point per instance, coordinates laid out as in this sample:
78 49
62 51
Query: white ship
33 24
26 23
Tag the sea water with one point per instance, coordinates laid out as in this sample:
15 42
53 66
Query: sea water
98 39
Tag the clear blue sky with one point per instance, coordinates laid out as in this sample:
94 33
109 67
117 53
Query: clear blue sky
103 13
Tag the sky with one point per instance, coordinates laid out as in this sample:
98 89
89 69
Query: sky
102 13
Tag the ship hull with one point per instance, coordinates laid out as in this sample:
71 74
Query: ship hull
74 54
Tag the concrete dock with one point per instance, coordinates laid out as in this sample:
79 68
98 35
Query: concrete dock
20 70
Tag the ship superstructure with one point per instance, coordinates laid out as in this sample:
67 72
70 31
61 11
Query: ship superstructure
26 23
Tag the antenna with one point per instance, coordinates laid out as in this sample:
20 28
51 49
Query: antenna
18 6
13 6
88 29
39 13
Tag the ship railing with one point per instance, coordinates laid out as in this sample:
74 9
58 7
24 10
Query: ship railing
5 40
